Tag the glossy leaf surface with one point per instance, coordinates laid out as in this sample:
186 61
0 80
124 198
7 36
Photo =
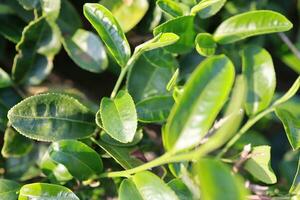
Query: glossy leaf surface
154 109
8 189
259 164
129 191
152 187
249 24
183 27
170 7
217 182
80 160
138 136
204 95
205 44
119 117
51 117
181 190
291 126
5 80
259 74
38 45
128 14
51 8
208 8
86 50
42 191
109 31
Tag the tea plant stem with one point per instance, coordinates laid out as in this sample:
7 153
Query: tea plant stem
291 46
244 129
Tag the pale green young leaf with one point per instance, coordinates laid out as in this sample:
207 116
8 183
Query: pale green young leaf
128 191
42 191
290 93
5 80
81 161
260 78
86 50
119 117
52 117
51 8
29 4
205 44
170 7
249 24
207 8
204 95
109 30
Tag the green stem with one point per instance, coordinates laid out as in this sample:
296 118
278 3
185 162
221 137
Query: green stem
124 70
244 129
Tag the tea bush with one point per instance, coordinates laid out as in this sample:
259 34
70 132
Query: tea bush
205 105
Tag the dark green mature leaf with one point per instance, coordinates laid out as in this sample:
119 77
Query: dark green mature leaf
128 191
42 191
118 117
183 27
8 189
122 155
217 182
11 27
80 160
204 95
151 79
291 126
51 117
109 30
109 140
259 74
51 8
29 4
86 50
181 190
151 187
128 14
249 24
68 20
15 145
39 43
207 8
5 80
259 164
170 7
205 44
56 172
154 109
8 98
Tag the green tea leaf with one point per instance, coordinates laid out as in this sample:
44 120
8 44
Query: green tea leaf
128 191
109 140
259 164
151 79
181 190
51 8
52 117
154 109
290 93
81 161
151 187
217 182
42 191
207 8
5 80
8 189
170 7
122 155
183 27
291 126
249 24
68 20
128 14
260 78
118 117
205 44
161 40
15 145
86 50
56 172
29 4
39 43
109 31
204 95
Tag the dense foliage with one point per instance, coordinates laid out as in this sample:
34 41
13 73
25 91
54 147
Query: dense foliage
205 105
